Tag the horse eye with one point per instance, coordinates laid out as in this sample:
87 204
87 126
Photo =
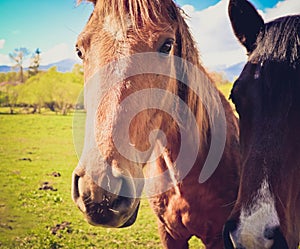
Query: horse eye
167 47
79 53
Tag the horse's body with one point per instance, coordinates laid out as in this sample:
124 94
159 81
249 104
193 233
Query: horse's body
266 95
108 182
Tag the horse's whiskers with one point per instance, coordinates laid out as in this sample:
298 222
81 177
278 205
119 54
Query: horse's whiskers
114 211
229 204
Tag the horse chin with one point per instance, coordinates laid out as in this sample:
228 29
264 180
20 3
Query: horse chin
114 218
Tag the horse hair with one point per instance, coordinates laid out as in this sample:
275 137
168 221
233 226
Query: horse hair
279 41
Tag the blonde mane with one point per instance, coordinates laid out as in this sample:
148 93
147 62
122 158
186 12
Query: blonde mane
160 15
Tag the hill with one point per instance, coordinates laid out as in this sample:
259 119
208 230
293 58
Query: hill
5 69
231 72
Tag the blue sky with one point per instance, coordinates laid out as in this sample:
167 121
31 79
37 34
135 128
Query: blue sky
40 23
53 25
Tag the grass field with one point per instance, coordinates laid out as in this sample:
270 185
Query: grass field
32 148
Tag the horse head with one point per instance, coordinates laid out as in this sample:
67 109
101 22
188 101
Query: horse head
266 96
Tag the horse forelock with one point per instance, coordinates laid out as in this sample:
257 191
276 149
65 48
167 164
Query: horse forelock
149 14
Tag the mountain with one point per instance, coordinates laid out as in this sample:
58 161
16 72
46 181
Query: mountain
234 71
62 66
231 72
5 69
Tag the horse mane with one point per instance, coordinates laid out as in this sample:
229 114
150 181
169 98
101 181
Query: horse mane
279 41
159 15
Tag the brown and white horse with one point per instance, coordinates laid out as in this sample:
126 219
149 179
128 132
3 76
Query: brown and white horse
266 96
155 121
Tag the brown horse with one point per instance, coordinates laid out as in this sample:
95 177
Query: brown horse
266 96
155 121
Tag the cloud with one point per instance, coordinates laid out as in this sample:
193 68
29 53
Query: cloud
212 31
287 7
2 42
5 60
57 53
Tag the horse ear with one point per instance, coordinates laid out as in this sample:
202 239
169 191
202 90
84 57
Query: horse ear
246 22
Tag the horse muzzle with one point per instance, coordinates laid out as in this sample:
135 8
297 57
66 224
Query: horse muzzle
272 238
102 201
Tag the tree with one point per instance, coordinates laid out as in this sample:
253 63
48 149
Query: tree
219 78
54 90
35 63
12 95
78 69
67 90
18 56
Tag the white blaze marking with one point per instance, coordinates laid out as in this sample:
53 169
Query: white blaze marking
256 218
114 27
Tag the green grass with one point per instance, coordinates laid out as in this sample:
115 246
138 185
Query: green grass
32 147
225 89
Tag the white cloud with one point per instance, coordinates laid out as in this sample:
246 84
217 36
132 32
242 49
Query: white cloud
2 42
5 60
287 7
57 53
211 29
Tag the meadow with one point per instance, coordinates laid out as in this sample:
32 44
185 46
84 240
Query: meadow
37 157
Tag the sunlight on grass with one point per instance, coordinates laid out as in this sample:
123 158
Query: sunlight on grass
32 148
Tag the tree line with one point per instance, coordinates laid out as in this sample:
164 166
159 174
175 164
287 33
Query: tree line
33 90
56 91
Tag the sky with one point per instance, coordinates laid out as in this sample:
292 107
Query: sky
53 27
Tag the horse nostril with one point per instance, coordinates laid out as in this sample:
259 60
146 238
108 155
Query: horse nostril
229 227
76 193
279 239
75 189
77 174
269 233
